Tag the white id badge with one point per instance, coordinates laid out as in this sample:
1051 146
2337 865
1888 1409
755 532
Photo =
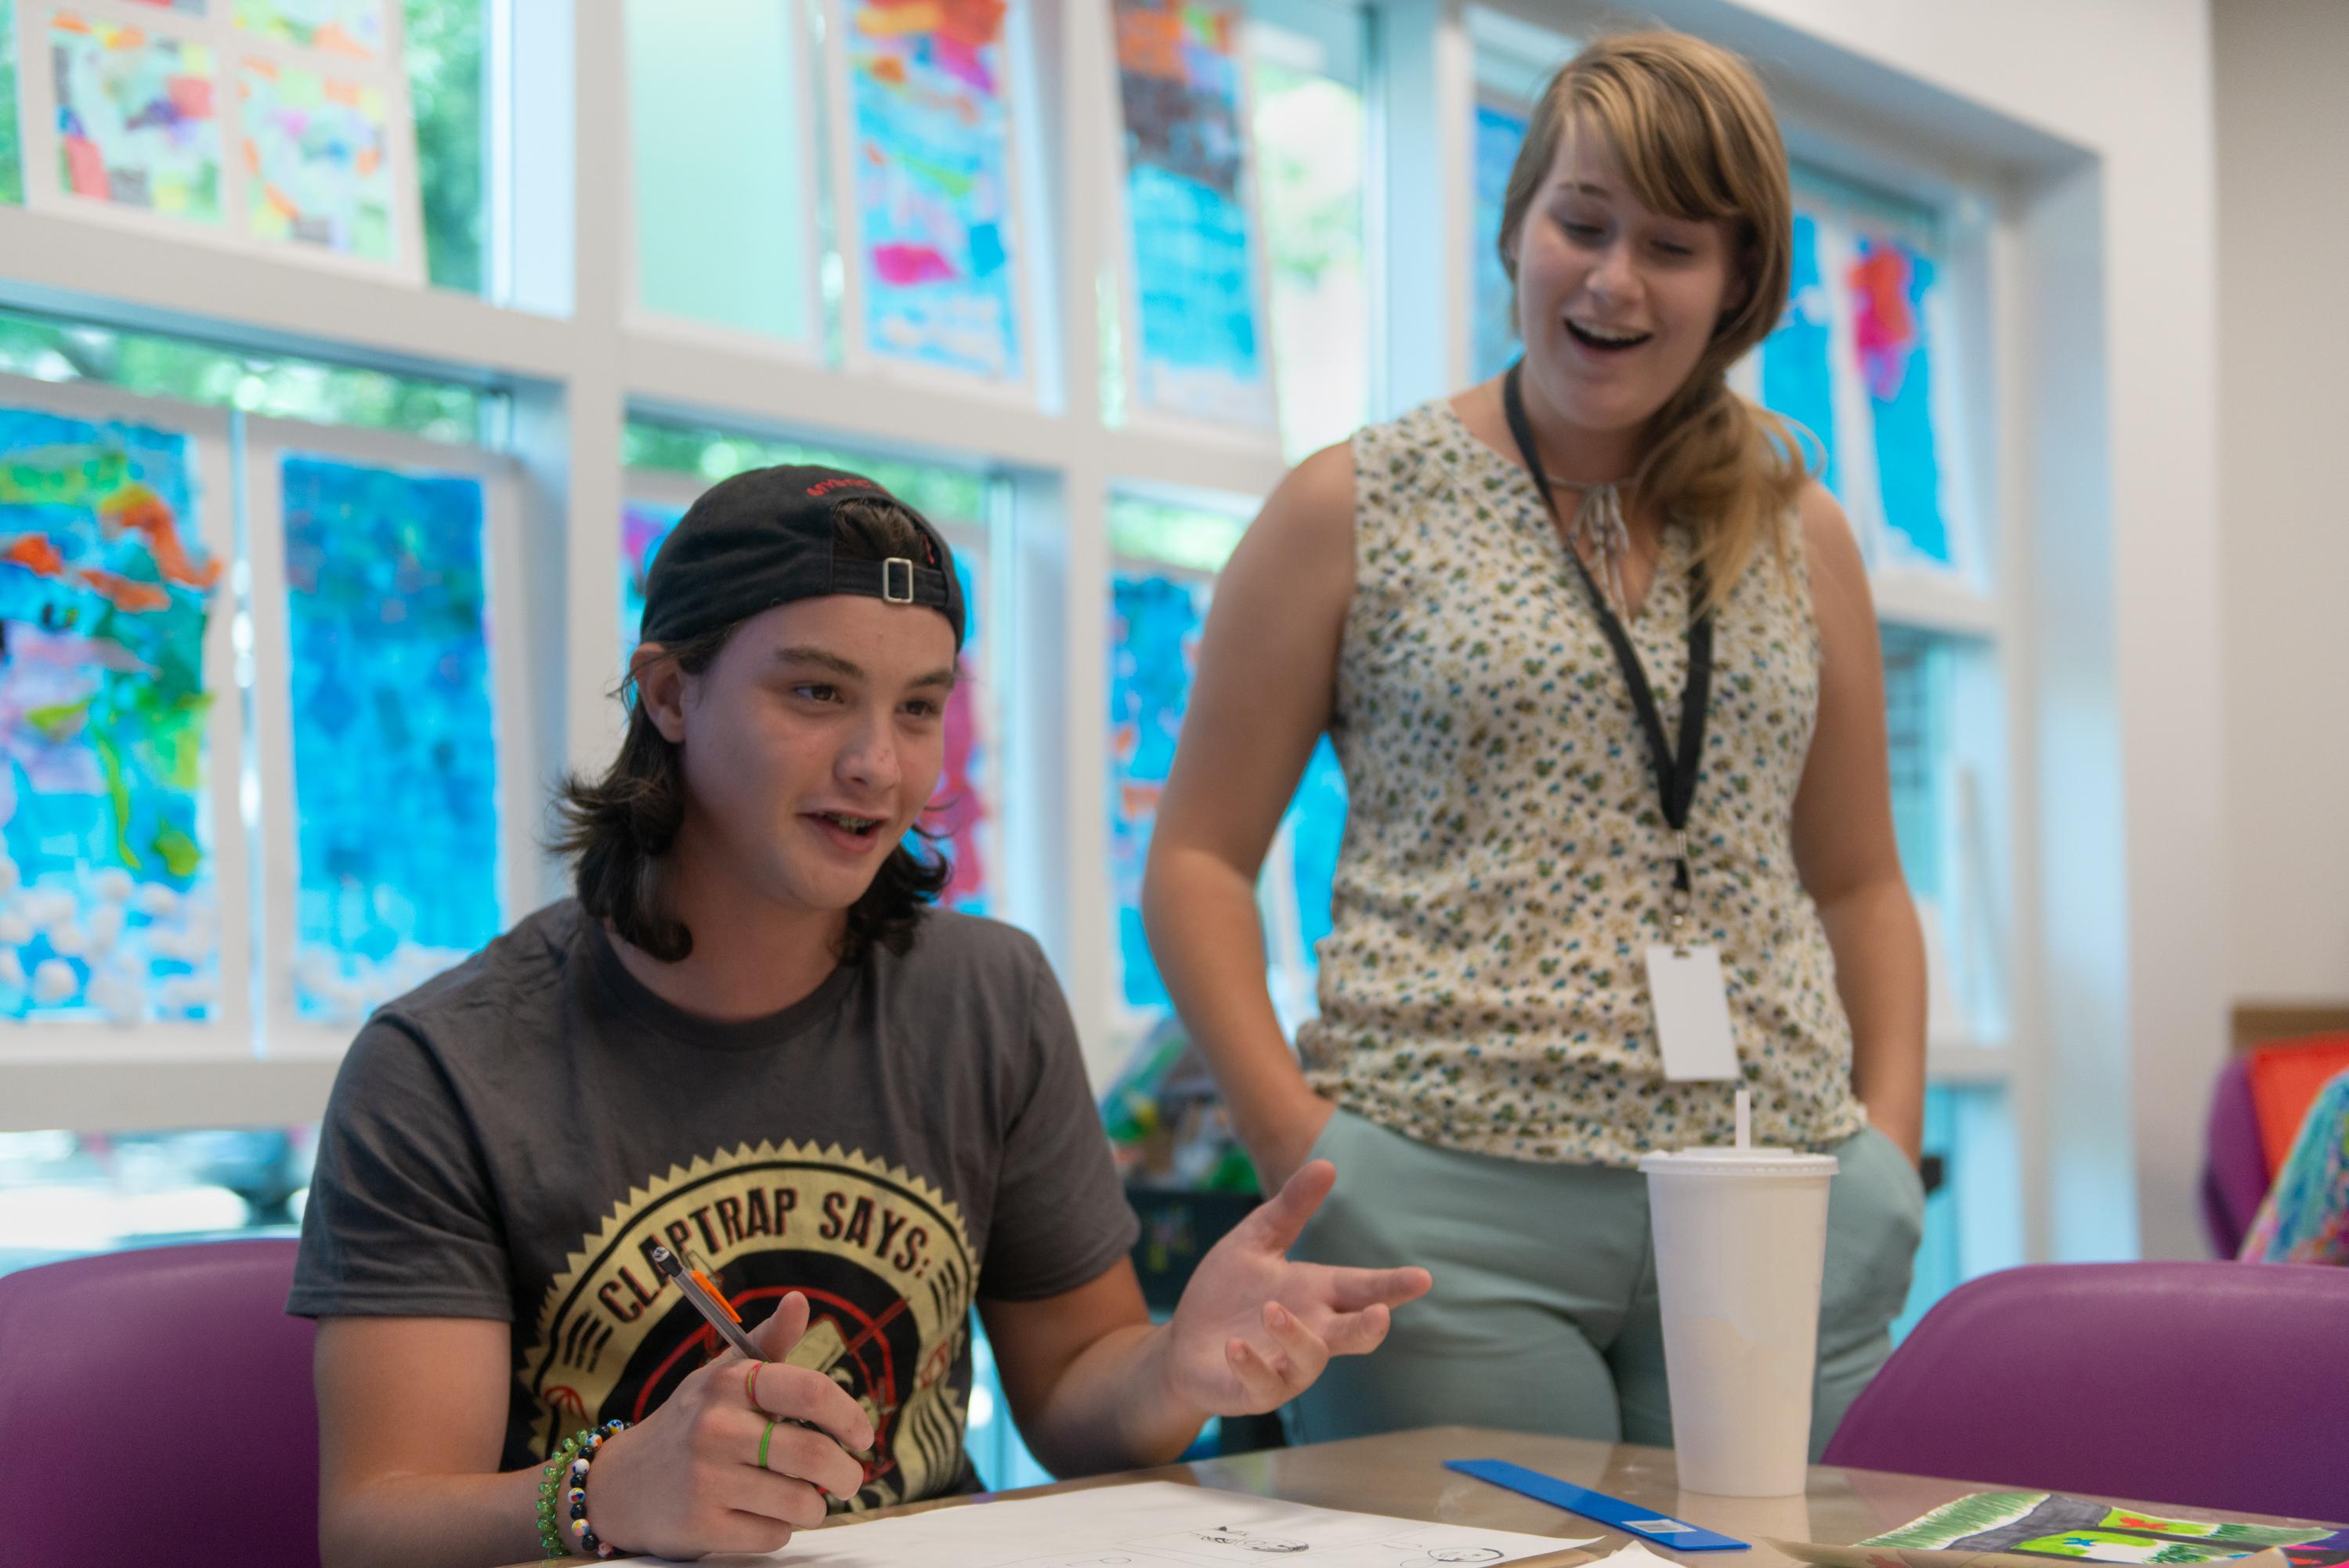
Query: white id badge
1691 1013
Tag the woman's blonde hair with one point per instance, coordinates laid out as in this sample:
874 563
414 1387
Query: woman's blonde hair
1694 134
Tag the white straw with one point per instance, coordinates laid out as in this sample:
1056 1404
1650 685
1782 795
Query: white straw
1745 1119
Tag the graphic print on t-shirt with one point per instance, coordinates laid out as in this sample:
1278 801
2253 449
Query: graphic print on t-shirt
881 1256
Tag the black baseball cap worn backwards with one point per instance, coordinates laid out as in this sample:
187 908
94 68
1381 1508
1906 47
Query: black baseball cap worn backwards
764 537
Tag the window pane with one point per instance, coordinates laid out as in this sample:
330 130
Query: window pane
1154 624
719 121
12 150
1194 257
69 1194
107 904
47 349
389 643
1860 360
939 493
1500 129
445 86
1309 141
938 234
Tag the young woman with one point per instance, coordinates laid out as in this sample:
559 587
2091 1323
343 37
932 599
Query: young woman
1442 596
748 1045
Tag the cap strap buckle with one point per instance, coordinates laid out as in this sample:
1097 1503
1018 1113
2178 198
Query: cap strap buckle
894 571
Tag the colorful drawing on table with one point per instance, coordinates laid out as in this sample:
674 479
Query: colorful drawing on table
1499 133
1194 243
2028 1529
1797 364
318 161
184 7
1892 286
388 653
350 27
138 120
108 908
930 108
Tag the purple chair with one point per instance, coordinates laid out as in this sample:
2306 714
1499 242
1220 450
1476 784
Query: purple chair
2235 1168
2215 1384
155 1405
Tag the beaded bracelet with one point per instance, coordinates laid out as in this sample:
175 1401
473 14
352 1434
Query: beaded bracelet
567 1475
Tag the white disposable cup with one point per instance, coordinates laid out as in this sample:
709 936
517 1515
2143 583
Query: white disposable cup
1741 1248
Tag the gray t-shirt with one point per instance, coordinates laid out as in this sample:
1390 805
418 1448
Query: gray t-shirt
511 1139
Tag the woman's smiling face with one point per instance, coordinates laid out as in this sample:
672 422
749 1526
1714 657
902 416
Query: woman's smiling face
1616 302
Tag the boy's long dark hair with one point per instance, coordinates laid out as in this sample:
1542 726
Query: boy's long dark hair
617 831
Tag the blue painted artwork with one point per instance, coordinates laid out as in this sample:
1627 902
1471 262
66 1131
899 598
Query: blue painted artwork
108 907
1891 281
932 169
1154 655
1797 377
643 526
1499 133
395 773
955 824
1193 246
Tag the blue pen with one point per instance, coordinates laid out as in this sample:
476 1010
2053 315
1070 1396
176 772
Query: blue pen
1645 1523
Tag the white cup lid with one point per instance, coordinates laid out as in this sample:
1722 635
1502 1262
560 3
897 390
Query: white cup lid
1739 1162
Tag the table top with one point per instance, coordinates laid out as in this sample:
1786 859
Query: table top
1402 1474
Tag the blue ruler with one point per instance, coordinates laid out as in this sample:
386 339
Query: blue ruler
1612 1510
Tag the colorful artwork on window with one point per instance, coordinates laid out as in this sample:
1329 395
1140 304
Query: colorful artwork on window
138 123
1798 374
930 110
1499 132
108 908
956 822
1154 628
317 159
394 772
1891 283
643 526
350 27
1852 360
1193 243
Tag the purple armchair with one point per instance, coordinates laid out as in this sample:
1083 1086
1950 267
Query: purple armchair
2234 1168
156 1404
2217 1384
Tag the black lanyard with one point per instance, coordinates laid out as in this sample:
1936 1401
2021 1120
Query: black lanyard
1676 771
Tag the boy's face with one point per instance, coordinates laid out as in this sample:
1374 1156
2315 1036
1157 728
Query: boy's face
812 744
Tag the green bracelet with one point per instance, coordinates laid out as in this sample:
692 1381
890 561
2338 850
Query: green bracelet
549 1489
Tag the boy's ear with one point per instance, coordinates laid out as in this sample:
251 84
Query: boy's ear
661 690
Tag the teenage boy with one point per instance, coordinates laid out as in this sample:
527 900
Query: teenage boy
749 1041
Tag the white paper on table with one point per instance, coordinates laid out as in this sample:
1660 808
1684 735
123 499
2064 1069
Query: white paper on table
1150 1524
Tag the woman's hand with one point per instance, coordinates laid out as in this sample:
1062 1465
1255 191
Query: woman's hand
688 1481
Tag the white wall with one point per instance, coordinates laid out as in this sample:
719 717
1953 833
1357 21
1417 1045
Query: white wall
2283 137
2095 118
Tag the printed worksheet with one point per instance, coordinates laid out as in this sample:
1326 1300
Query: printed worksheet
1150 1524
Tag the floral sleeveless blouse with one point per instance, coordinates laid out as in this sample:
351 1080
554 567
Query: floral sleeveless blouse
1505 863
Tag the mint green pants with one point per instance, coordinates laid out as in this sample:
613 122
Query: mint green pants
1544 1314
